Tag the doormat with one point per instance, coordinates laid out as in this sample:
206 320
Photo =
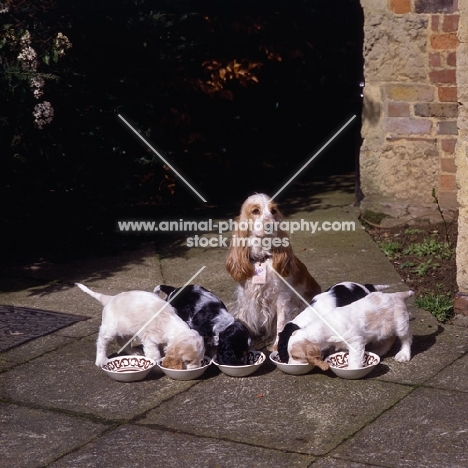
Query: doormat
21 324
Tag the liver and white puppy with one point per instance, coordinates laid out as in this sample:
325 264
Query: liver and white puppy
378 318
206 313
160 330
339 295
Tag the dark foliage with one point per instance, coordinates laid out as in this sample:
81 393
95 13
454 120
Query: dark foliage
236 95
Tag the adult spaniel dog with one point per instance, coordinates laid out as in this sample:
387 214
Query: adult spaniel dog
261 259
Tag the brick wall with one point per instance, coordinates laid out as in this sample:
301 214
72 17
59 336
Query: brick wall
418 105
432 109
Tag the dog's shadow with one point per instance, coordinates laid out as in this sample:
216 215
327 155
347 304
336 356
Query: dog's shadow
420 344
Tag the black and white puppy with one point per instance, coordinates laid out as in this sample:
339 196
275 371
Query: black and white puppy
339 295
207 314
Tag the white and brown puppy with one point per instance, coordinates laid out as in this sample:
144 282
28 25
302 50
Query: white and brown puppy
338 295
264 303
161 331
378 318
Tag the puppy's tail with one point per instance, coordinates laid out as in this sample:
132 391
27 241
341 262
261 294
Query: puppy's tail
102 298
403 294
378 287
165 289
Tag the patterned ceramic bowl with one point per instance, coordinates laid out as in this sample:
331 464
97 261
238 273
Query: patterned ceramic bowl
186 374
128 368
339 365
255 359
294 369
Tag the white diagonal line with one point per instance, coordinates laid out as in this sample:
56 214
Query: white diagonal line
313 157
310 307
160 310
160 157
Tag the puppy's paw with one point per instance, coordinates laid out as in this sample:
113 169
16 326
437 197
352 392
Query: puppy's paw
402 356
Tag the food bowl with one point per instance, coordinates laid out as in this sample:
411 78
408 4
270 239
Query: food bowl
294 369
254 358
339 365
186 374
128 368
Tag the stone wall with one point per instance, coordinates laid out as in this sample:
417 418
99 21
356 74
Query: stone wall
410 107
461 162
415 116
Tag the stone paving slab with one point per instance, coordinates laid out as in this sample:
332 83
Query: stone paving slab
68 380
308 414
426 429
33 437
329 462
33 349
434 348
133 446
453 377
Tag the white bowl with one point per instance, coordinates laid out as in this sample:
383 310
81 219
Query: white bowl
186 374
339 365
128 368
255 358
294 369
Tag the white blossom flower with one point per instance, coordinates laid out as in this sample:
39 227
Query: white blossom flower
62 44
43 114
28 57
25 39
37 84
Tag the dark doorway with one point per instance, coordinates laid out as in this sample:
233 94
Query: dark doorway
247 91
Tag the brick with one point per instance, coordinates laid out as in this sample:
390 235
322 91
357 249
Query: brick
435 22
447 183
448 200
443 76
448 165
430 141
434 60
436 110
450 23
447 128
410 93
400 7
448 145
444 41
447 94
398 109
434 6
452 59
408 126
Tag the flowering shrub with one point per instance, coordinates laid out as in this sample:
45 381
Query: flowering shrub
22 60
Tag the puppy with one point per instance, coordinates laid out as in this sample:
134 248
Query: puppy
157 324
206 313
234 345
339 295
263 302
377 318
